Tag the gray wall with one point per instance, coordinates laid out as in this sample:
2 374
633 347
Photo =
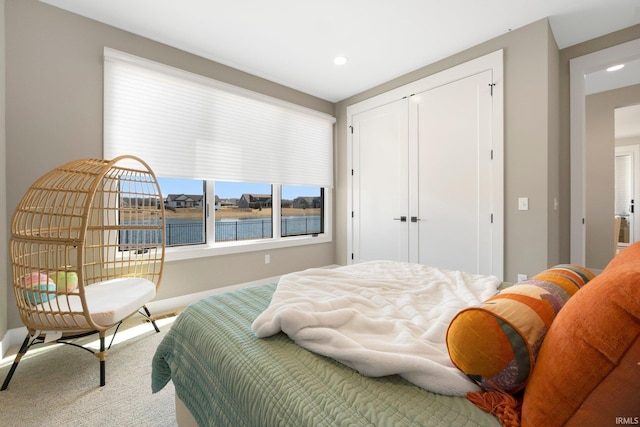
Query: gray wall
531 138
632 140
554 208
54 114
3 181
599 182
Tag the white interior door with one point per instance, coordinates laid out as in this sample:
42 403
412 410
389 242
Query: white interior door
627 191
380 182
454 173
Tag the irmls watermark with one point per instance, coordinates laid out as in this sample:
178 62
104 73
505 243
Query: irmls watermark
629 421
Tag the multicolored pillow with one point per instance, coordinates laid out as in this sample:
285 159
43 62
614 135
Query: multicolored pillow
38 288
496 343
569 277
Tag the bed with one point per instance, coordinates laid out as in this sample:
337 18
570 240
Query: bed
224 375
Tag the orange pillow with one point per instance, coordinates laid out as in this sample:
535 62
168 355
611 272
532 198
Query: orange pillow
587 370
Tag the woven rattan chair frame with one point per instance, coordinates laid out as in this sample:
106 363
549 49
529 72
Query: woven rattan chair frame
99 221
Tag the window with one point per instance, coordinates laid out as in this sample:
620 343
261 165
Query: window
185 208
239 211
245 211
202 137
302 211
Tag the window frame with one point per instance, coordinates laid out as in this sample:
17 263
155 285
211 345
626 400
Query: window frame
213 248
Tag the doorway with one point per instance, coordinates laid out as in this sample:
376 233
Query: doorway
626 170
627 173
582 69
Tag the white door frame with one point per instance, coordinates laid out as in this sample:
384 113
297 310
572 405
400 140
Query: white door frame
492 61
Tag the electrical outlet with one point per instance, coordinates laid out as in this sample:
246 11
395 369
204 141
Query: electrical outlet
522 277
267 259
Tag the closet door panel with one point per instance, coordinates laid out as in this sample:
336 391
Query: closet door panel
453 192
380 160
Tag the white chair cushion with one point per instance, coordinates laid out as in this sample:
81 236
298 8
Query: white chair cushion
108 302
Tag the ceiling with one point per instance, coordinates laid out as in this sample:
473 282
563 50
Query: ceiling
294 42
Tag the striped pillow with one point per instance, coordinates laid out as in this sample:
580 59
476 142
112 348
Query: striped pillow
496 343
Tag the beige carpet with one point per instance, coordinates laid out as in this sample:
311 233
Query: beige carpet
58 385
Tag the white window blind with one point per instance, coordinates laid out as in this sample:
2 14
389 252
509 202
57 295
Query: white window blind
188 126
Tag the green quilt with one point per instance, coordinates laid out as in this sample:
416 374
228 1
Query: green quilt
228 377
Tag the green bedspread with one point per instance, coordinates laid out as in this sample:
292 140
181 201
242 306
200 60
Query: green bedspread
228 377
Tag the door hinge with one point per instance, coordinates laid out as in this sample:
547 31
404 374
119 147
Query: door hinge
491 85
351 128
352 215
491 218
351 172
491 154
352 257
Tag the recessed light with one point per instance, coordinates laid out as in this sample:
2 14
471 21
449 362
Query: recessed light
616 67
340 60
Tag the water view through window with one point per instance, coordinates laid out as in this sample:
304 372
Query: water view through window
302 210
240 211
243 211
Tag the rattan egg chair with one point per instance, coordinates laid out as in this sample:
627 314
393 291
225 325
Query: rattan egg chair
87 251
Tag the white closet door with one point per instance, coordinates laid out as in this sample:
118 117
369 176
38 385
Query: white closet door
453 175
380 183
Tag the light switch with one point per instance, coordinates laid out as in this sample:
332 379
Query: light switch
523 203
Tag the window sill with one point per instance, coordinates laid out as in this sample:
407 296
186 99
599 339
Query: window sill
202 251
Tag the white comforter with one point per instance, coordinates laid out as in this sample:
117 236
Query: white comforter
380 318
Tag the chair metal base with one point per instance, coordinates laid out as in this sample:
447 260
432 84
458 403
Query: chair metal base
39 339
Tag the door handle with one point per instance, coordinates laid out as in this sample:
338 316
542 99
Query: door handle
632 207
401 219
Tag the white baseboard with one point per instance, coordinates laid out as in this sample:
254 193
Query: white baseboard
12 337
169 304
